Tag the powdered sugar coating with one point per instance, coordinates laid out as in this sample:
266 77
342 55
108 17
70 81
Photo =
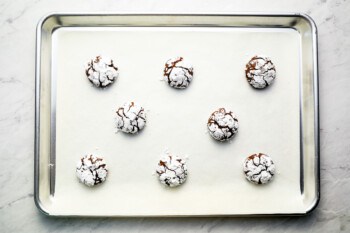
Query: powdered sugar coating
178 73
91 170
101 71
172 170
222 124
259 168
131 118
260 72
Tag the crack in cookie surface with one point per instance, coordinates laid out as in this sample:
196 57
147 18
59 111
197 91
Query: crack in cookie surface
259 168
260 72
101 71
172 170
91 170
131 118
222 124
178 73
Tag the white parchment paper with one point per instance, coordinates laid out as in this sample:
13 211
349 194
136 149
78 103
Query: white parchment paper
268 121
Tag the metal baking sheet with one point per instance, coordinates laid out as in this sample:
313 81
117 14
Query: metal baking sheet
73 118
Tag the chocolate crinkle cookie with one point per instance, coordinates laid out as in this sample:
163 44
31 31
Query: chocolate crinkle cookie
131 118
91 170
222 124
101 71
172 170
259 168
260 72
178 73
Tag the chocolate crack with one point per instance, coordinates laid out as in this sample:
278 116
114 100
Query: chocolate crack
169 68
263 168
252 66
227 131
91 68
133 123
181 176
92 169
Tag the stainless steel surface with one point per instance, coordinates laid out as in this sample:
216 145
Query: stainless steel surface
45 93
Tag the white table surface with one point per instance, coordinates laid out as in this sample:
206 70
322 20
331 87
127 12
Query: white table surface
18 213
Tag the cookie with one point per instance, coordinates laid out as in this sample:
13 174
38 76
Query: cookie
259 168
178 73
222 124
101 71
131 118
172 170
91 170
260 72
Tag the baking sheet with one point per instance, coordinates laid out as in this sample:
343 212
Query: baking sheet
82 121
